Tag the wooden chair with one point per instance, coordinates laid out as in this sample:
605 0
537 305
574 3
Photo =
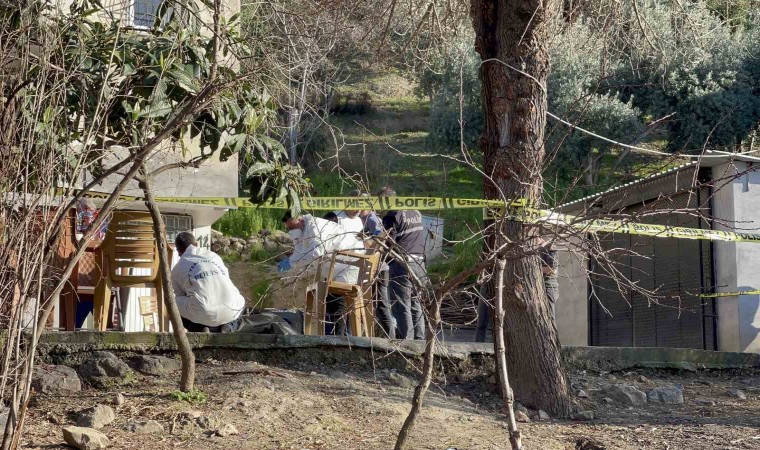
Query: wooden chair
129 246
358 297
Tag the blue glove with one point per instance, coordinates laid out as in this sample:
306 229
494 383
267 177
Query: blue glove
284 265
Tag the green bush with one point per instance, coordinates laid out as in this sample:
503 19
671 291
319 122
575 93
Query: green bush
245 222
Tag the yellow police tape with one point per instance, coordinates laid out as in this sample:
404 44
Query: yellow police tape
520 213
328 203
729 294
518 210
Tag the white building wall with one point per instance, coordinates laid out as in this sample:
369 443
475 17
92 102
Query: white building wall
736 205
572 305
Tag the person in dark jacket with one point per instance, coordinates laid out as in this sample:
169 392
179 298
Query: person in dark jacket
406 234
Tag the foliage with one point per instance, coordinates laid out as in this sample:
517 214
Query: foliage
246 222
693 64
613 80
195 397
132 87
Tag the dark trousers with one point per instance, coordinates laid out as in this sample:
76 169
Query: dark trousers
335 312
198 327
383 313
405 300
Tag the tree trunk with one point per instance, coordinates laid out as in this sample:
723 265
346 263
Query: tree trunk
187 381
511 38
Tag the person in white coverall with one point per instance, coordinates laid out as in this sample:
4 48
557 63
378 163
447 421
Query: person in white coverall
206 298
314 237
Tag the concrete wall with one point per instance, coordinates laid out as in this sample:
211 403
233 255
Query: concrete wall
737 265
572 306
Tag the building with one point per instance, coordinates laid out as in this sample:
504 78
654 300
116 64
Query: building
211 179
592 310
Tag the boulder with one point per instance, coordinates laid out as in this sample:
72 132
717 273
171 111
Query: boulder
582 394
736 393
119 399
583 415
282 238
156 365
542 415
3 417
521 417
643 379
84 438
147 427
56 380
96 417
103 369
627 395
227 430
401 381
670 395
704 402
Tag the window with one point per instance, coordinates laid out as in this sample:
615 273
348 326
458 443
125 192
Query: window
144 13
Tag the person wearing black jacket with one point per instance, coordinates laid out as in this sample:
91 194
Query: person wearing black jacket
406 234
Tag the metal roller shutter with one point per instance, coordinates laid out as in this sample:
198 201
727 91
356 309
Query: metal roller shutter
674 266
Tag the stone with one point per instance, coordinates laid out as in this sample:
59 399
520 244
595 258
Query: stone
627 395
56 380
611 377
583 415
156 365
736 393
147 427
204 422
669 395
227 430
643 379
705 402
3 417
96 417
191 414
542 415
85 438
607 400
401 381
521 417
519 407
119 399
582 394
104 369
282 237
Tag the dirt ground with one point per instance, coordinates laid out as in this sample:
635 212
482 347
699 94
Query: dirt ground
321 406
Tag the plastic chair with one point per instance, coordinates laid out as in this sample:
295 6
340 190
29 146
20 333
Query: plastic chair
129 258
358 296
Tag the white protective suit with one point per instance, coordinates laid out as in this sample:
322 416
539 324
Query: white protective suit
205 294
322 237
350 224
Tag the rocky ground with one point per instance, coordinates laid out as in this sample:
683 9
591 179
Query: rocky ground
248 405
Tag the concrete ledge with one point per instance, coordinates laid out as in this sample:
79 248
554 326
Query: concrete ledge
621 358
84 341
57 345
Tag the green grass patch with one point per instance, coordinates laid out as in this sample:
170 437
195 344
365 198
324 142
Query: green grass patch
194 396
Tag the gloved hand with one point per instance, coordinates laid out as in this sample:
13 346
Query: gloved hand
284 265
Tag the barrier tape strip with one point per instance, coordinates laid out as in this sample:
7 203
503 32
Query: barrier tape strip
729 294
327 203
518 210
532 215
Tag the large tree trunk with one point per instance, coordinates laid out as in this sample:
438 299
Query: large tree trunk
511 38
